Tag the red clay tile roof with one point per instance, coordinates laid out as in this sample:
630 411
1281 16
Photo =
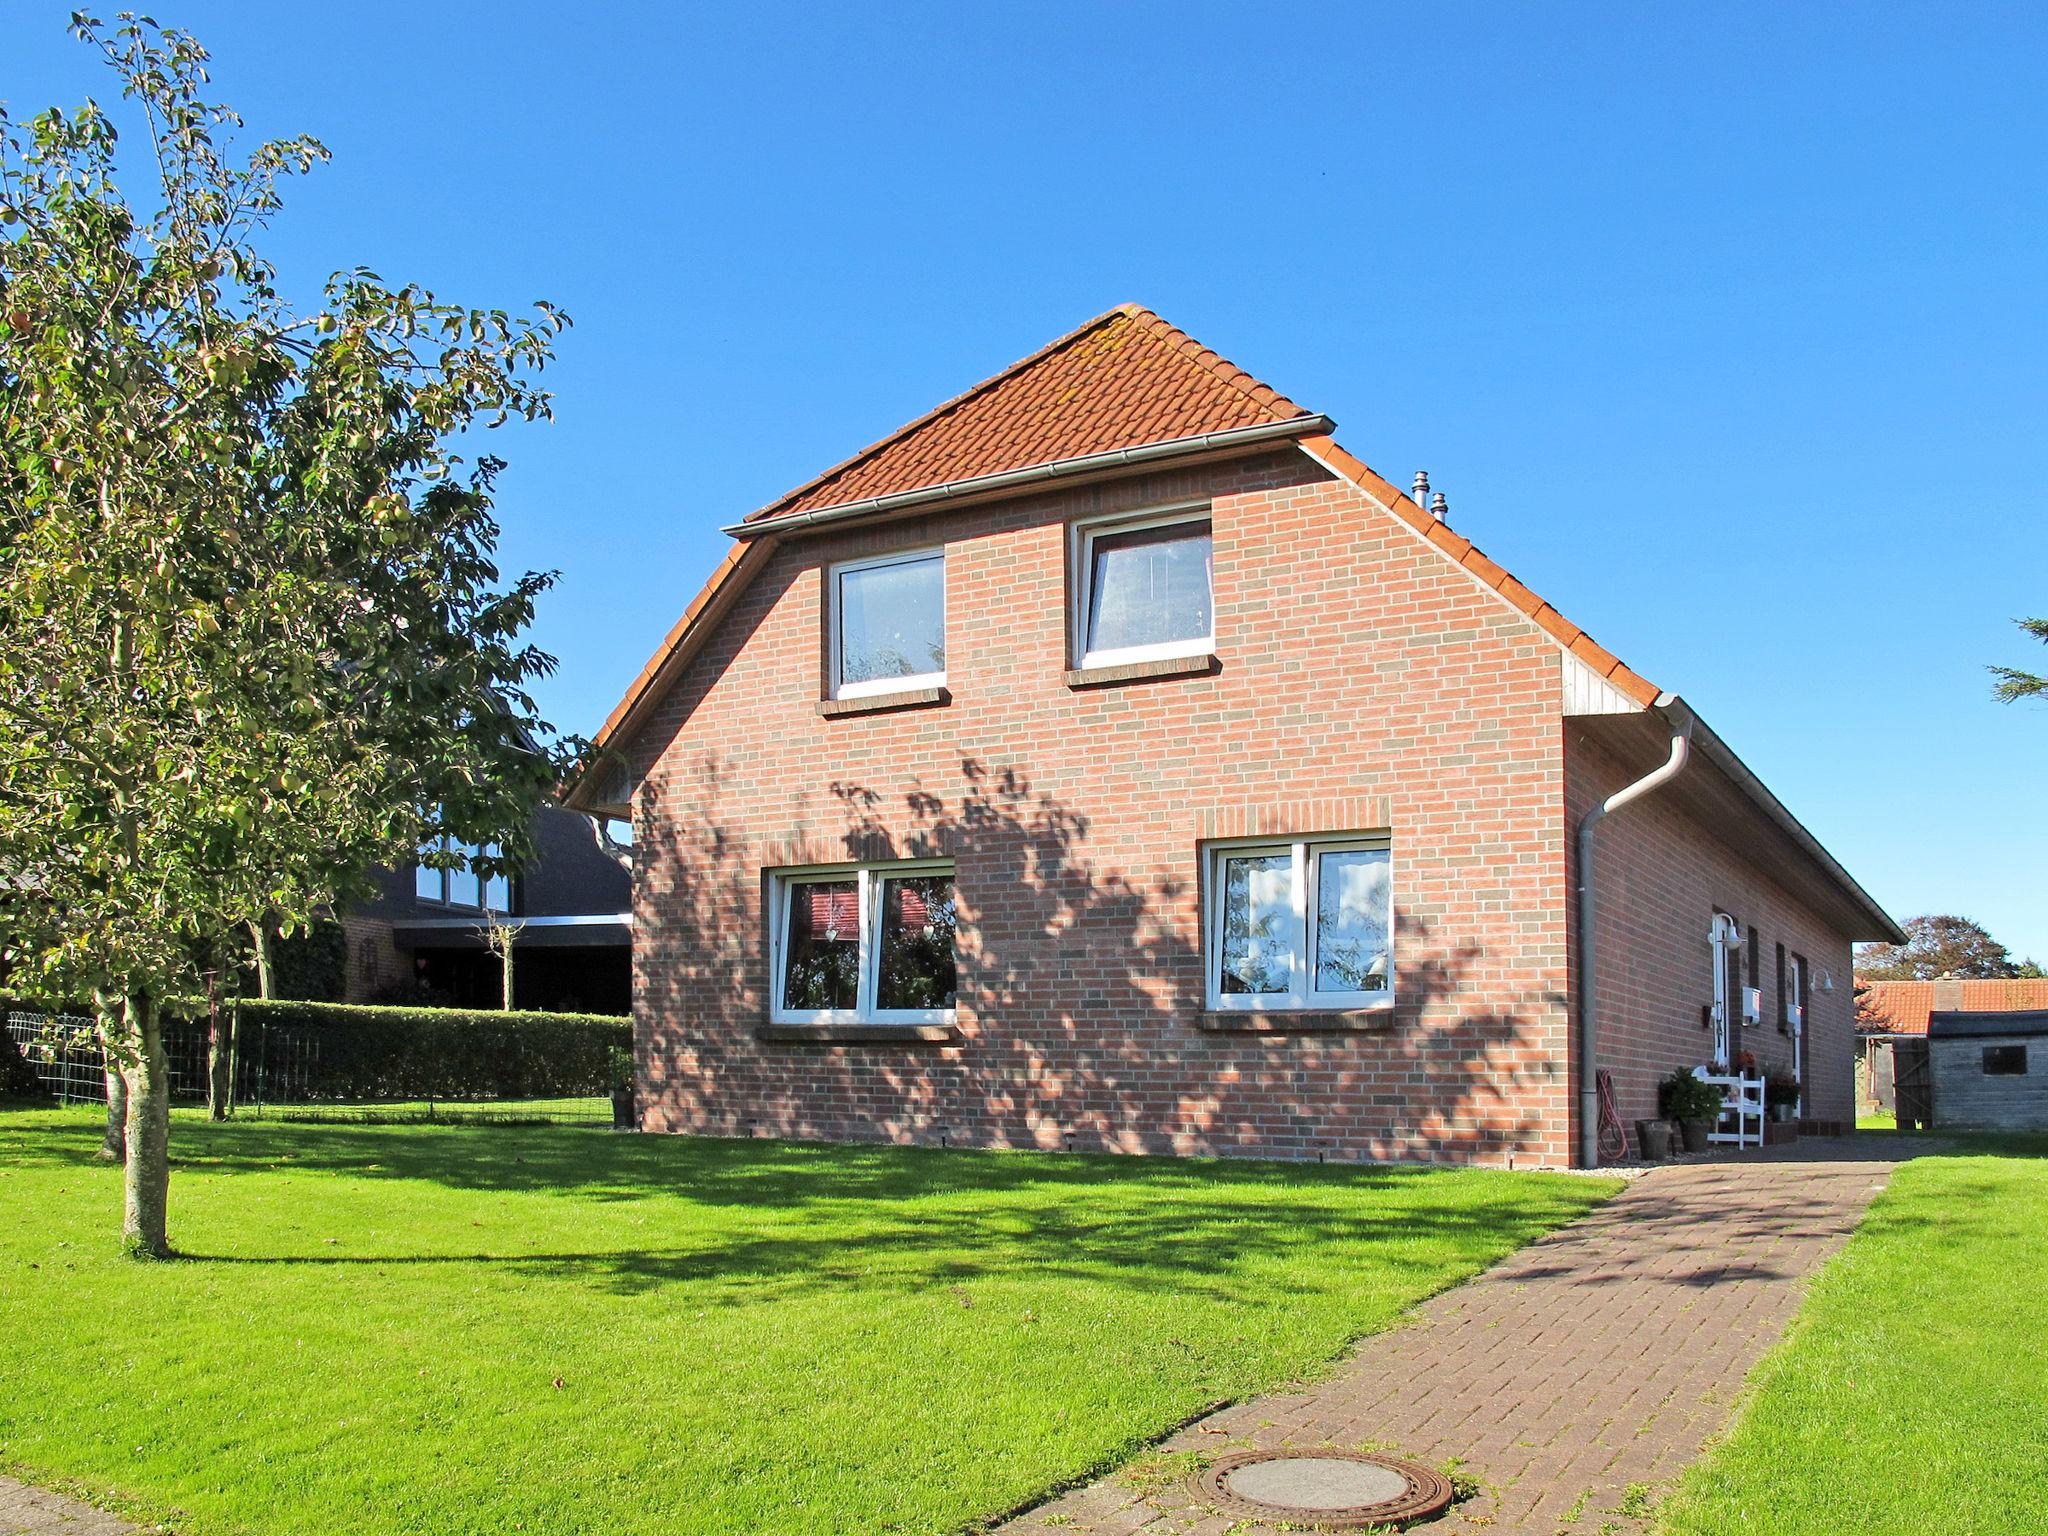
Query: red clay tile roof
1903 1007
1124 379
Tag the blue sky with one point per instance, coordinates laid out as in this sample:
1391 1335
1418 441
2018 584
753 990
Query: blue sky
1724 327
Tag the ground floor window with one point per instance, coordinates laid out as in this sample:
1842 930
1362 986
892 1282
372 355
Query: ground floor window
1302 923
871 942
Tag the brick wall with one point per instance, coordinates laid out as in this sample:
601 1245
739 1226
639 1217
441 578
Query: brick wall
1364 683
374 962
1661 874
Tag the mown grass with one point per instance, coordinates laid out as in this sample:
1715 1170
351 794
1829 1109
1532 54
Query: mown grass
471 1329
1910 1395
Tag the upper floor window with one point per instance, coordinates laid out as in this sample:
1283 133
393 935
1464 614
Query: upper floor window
1142 589
1300 924
463 887
888 623
873 943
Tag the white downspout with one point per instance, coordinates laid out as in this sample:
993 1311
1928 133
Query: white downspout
1582 994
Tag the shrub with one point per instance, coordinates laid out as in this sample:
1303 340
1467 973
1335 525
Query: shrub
1681 1096
311 965
17 1077
1781 1090
349 1051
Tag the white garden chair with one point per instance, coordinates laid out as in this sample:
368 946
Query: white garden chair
1742 1109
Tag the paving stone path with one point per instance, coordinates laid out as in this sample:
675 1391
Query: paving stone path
1595 1360
1600 1357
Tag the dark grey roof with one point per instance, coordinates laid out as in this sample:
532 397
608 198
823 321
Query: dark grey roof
1953 1025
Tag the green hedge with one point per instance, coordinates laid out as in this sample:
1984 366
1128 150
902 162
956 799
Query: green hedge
349 1051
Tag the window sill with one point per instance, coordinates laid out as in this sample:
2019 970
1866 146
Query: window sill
1140 671
1296 1021
855 1032
877 703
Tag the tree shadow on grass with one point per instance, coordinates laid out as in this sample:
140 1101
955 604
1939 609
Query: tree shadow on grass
1227 1251
774 1218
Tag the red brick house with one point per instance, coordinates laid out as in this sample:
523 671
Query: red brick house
1108 759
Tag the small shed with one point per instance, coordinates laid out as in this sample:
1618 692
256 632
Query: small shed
1988 1070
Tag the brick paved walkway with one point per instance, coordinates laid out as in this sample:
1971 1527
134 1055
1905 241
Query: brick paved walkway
1601 1356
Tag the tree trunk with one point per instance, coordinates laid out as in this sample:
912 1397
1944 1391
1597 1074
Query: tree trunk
149 1134
220 1060
261 935
114 1140
506 951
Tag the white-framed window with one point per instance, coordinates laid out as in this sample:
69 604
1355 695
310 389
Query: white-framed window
888 623
1143 587
1300 923
463 887
863 943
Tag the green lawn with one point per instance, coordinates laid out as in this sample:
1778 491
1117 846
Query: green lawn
468 1329
1910 1395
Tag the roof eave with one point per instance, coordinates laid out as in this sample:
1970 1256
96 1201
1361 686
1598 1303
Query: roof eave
1723 757
1111 461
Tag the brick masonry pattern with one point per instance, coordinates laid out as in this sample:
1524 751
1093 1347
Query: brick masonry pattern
1364 682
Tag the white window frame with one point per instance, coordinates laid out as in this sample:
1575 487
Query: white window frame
841 689
1305 938
1724 935
868 878
1081 584
1795 1018
478 884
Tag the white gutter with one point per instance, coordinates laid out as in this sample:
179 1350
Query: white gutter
1054 469
1582 994
485 920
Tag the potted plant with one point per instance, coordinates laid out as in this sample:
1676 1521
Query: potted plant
1781 1097
1653 1139
1695 1105
624 1117
1745 1064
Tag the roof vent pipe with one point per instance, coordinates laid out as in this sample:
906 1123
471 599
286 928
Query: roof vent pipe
1440 509
1420 490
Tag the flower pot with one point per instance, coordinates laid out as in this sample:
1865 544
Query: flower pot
1783 1112
1695 1133
623 1117
1653 1139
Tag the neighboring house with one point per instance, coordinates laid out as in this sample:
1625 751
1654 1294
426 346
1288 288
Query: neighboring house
1107 759
569 909
1893 1017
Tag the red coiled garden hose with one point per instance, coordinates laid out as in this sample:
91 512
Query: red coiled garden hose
1613 1144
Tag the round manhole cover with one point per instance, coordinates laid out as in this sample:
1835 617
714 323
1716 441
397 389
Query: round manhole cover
1330 1489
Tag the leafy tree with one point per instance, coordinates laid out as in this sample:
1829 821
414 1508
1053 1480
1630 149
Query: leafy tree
2014 684
253 640
1940 945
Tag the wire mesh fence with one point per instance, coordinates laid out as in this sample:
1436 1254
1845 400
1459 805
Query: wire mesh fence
304 1072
